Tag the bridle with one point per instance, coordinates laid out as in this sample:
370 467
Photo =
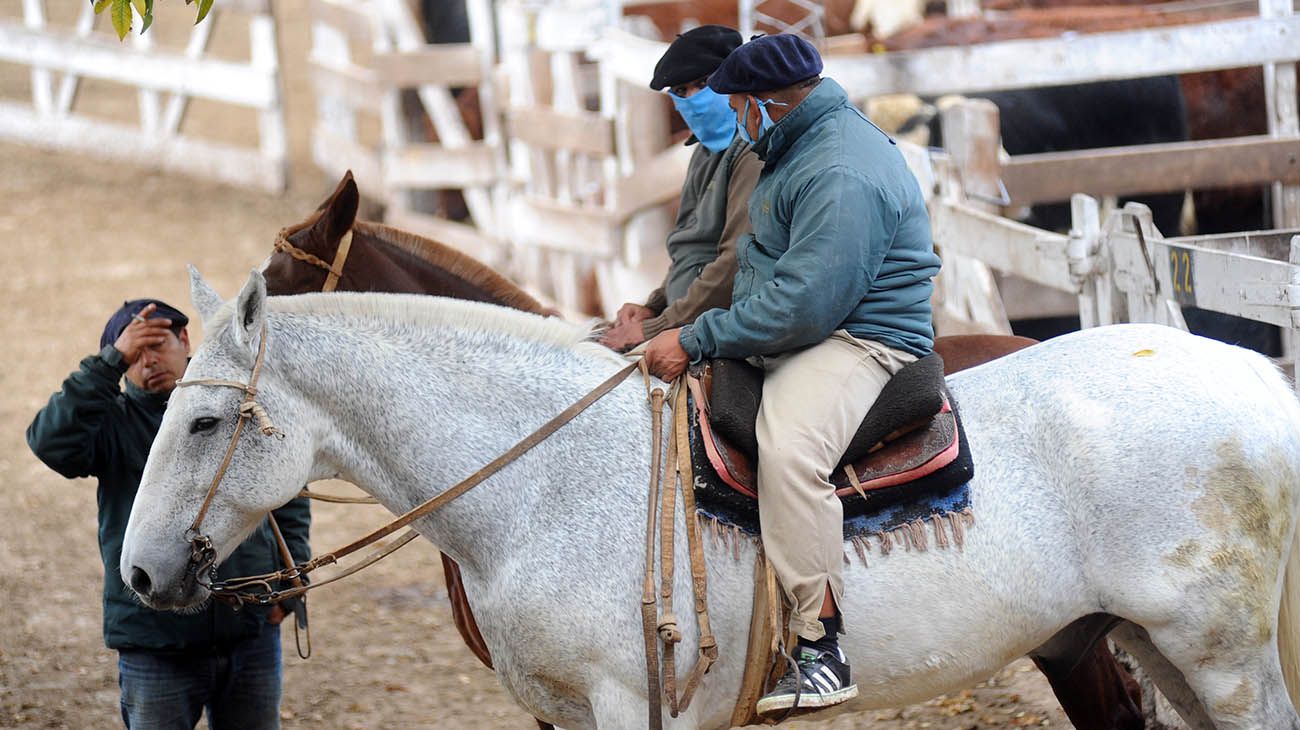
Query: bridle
258 589
335 270
202 555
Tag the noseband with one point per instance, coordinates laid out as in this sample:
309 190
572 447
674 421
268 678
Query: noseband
335 269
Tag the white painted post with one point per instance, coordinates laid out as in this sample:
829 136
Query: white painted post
148 99
1293 332
963 8
745 17
68 86
966 289
264 55
42 94
330 46
1088 264
481 37
1283 120
177 105
1280 101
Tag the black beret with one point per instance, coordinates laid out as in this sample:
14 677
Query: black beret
122 317
767 64
694 55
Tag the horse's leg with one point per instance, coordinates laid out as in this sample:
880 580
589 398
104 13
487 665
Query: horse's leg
1094 690
1168 679
616 706
464 620
1213 686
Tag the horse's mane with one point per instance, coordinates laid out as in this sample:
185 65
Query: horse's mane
424 312
459 265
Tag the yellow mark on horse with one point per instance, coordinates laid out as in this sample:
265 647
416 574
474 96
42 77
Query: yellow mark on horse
1144 353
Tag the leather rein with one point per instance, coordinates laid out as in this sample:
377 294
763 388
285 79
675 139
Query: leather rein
258 589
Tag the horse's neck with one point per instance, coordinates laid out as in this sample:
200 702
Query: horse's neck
391 267
418 411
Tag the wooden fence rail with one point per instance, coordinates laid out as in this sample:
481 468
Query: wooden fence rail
53 119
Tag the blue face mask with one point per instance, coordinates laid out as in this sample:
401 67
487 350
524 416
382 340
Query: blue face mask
765 120
710 119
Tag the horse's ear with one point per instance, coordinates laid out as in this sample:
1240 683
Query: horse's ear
250 312
339 211
206 300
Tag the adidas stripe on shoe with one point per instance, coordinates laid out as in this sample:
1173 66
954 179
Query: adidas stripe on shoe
821 679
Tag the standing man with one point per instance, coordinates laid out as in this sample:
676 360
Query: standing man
171 666
714 210
832 299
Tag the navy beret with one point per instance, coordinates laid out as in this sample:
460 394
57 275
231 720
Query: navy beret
694 55
768 63
122 317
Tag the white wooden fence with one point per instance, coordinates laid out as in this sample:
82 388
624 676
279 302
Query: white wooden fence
568 185
364 56
165 81
588 164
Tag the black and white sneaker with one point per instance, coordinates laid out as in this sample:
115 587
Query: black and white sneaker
822 680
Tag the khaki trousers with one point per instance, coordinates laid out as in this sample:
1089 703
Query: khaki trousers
813 402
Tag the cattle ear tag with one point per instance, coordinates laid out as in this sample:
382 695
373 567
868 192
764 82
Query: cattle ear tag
1144 353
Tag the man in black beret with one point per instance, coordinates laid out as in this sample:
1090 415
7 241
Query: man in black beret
833 298
171 666
714 212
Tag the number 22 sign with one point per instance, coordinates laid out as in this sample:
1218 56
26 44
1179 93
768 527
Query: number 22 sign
1183 276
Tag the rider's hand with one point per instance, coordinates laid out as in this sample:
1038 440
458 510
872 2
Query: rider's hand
624 336
633 313
665 357
141 334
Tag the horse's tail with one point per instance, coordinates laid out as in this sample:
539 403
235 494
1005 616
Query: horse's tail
1288 631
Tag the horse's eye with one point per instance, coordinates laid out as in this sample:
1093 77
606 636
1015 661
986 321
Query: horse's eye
207 423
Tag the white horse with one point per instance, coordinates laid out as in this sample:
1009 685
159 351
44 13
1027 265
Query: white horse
1135 470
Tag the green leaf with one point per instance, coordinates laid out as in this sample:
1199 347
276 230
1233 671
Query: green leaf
204 7
122 17
100 5
148 21
140 9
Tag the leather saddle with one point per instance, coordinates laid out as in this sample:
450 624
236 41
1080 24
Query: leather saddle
911 438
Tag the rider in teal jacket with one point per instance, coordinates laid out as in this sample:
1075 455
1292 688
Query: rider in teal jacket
878 292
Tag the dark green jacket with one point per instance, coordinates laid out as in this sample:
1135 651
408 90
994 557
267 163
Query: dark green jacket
841 240
92 428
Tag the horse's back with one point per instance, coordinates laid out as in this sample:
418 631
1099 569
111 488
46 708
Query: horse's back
1169 444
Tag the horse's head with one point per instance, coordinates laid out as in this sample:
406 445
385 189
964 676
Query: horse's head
162 558
301 266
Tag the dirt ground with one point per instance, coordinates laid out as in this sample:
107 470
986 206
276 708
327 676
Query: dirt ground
80 235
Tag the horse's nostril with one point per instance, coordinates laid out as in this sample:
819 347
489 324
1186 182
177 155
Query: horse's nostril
140 582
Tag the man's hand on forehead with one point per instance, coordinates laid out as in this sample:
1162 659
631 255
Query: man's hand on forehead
142 332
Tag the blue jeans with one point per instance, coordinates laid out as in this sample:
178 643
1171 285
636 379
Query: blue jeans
240 688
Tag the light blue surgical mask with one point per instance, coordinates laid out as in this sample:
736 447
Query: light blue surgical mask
710 118
765 120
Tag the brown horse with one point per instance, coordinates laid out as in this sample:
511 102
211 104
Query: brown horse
1094 691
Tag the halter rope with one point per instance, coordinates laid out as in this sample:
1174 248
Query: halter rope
335 269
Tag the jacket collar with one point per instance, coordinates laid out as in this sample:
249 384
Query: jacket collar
827 97
145 399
